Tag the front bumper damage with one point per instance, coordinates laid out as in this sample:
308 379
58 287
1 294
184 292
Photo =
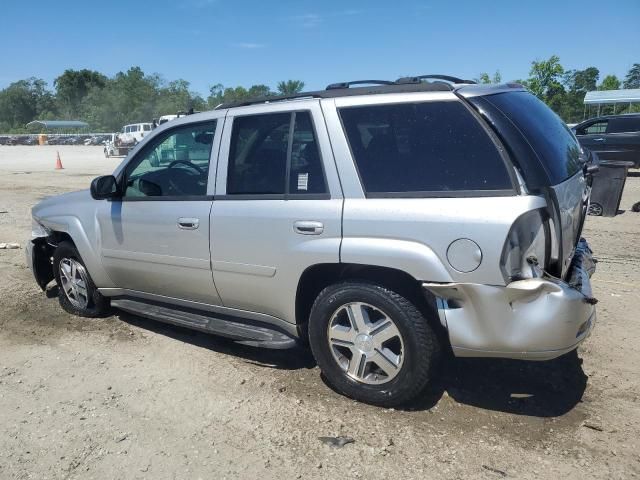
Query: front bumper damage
534 319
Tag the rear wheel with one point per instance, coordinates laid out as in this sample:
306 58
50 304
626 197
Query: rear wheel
595 209
372 344
77 293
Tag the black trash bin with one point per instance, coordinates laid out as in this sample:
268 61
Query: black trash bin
607 186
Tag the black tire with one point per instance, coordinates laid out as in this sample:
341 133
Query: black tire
595 209
98 305
421 351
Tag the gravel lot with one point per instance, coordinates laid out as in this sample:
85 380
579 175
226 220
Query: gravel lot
124 397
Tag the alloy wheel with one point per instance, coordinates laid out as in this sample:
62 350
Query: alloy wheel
366 343
74 280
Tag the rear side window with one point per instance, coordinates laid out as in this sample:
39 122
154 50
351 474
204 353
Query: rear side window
422 147
624 125
275 154
548 135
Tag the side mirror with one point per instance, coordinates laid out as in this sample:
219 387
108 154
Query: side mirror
103 187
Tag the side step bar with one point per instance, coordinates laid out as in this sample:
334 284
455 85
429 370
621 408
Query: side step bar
245 332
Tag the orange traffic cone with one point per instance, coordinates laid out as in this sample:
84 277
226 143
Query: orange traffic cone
58 162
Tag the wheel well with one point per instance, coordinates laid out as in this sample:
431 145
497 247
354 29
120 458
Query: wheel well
43 249
318 277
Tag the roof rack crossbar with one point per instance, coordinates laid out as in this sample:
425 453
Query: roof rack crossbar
336 86
447 78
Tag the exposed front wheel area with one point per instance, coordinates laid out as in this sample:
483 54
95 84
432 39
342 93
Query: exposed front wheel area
372 344
77 293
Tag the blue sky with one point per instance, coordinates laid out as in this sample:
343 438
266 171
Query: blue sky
244 42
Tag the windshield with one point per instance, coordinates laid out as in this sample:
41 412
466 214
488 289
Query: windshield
549 136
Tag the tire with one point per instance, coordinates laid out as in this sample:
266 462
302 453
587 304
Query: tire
89 304
595 209
415 351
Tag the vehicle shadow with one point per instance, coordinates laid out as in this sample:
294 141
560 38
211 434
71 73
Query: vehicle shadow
291 359
541 389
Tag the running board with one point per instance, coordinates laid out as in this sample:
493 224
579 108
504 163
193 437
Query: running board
245 332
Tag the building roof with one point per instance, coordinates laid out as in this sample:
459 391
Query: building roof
58 124
629 95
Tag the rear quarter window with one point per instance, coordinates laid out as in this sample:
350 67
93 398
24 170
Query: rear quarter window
624 125
416 148
548 135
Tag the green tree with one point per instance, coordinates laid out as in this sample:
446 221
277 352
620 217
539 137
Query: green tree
582 80
290 87
484 78
73 86
632 80
24 101
544 78
129 97
218 94
610 82
176 97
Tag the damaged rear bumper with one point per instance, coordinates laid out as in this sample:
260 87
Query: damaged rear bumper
535 319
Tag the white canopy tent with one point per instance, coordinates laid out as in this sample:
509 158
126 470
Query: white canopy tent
612 97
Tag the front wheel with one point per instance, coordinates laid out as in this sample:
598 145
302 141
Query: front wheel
372 344
77 293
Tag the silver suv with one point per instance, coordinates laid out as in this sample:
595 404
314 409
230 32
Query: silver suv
382 224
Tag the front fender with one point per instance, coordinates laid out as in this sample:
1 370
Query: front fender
86 241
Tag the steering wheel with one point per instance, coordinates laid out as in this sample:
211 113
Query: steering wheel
188 164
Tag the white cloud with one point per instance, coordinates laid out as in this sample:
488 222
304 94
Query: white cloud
310 20
248 45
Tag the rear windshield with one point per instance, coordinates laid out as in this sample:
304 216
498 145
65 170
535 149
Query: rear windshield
413 148
549 136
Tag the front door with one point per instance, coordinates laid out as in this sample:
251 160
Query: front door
277 208
593 137
155 239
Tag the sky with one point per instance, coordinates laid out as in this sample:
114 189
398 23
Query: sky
246 42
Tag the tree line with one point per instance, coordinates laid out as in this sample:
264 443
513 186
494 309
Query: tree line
107 103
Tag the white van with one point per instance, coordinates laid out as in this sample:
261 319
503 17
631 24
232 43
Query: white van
135 131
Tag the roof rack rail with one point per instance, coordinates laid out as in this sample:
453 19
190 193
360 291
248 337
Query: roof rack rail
336 92
339 85
446 78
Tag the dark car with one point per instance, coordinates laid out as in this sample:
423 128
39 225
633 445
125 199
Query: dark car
613 137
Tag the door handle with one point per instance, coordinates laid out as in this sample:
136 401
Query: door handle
305 227
188 223
600 139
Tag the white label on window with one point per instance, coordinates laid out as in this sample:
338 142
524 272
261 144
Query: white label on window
303 181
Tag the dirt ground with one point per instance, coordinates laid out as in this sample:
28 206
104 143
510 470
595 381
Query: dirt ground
124 397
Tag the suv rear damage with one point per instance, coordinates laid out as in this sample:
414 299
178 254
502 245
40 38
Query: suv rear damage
380 223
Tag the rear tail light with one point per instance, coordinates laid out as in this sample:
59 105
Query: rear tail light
529 247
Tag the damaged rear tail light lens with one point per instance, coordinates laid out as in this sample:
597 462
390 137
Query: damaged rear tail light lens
529 247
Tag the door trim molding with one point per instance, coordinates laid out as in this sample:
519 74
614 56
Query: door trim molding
243 268
144 257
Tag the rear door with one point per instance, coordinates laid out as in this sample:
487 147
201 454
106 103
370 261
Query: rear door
623 139
277 208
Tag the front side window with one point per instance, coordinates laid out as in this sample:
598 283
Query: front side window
174 164
147 127
422 147
274 154
595 128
